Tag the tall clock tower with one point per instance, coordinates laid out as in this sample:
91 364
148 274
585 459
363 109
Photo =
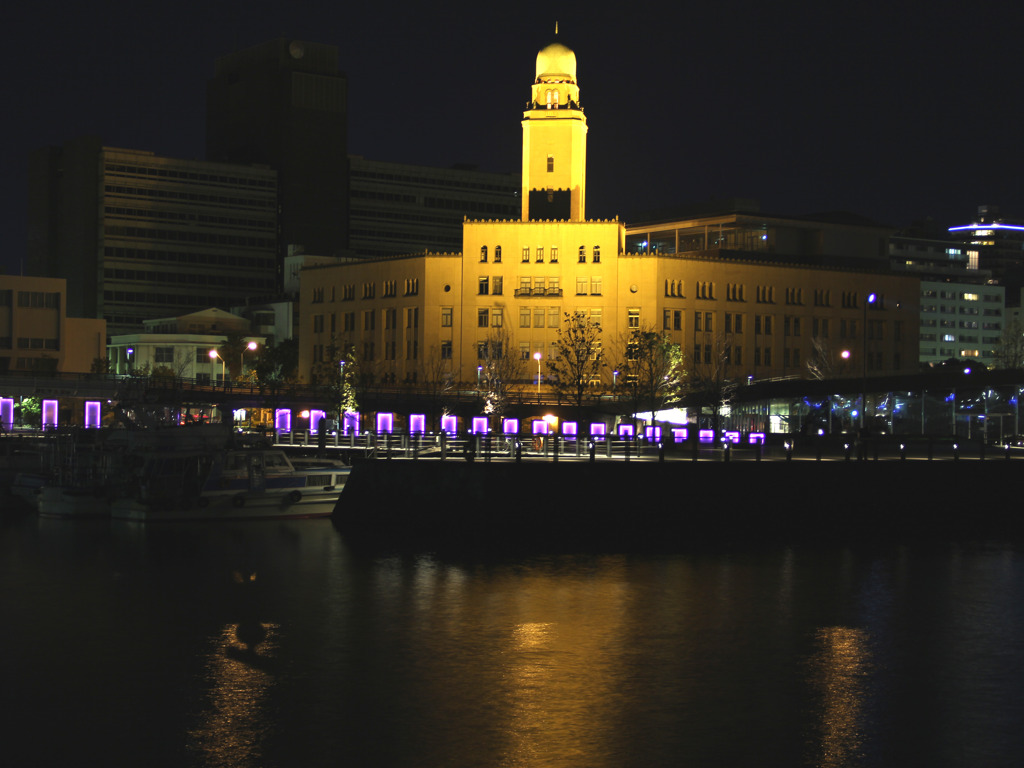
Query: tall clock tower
554 141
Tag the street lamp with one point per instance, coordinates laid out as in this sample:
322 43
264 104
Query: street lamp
130 350
213 356
251 346
615 379
870 299
536 356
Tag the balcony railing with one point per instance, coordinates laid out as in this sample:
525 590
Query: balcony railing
524 292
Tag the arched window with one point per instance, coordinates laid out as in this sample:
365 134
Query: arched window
497 254
583 254
483 253
548 95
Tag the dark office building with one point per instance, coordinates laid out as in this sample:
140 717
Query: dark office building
139 236
284 104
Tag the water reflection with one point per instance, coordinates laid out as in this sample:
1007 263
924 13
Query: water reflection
839 670
239 675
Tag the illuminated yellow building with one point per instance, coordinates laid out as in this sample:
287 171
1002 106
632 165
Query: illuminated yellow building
756 304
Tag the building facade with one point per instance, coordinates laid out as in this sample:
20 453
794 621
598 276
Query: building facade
397 208
36 333
762 304
138 236
182 347
962 308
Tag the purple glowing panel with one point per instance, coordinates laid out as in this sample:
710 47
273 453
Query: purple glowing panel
569 428
450 424
756 438
49 414
706 435
540 427
731 437
7 413
417 423
92 414
480 425
626 430
679 434
315 417
350 422
652 434
283 420
510 426
385 422
598 429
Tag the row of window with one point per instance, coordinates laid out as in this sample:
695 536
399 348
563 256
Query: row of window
765 294
263 201
389 288
170 173
191 218
233 279
538 254
206 259
389 315
189 235
31 299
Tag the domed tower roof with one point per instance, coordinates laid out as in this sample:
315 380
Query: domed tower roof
556 62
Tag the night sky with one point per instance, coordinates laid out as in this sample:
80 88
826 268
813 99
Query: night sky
895 111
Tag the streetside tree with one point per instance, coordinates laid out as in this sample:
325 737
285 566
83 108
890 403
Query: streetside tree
579 358
339 373
1009 352
709 382
435 385
651 369
502 369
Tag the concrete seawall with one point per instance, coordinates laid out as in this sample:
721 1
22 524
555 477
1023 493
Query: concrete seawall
582 506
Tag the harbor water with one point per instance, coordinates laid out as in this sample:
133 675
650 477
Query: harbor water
277 644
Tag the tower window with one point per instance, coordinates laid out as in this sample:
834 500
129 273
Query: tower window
551 163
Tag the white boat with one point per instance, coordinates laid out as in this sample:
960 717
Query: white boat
239 484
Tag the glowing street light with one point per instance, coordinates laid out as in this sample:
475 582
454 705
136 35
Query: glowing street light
251 346
536 356
213 356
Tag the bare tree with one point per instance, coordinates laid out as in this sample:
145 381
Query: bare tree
709 379
436 382
651 368
502 369
822 362
1009 353
578 357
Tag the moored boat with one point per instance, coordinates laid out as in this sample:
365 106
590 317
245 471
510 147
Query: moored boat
240 484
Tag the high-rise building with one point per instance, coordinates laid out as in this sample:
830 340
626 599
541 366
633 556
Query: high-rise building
139 236
398 208
284 104
963 313
996 243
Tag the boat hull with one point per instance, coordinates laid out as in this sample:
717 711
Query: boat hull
57 501
234 506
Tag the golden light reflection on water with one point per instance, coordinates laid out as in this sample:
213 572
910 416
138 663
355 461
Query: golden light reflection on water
234 724
839 671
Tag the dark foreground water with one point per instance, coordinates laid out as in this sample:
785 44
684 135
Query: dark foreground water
273 644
